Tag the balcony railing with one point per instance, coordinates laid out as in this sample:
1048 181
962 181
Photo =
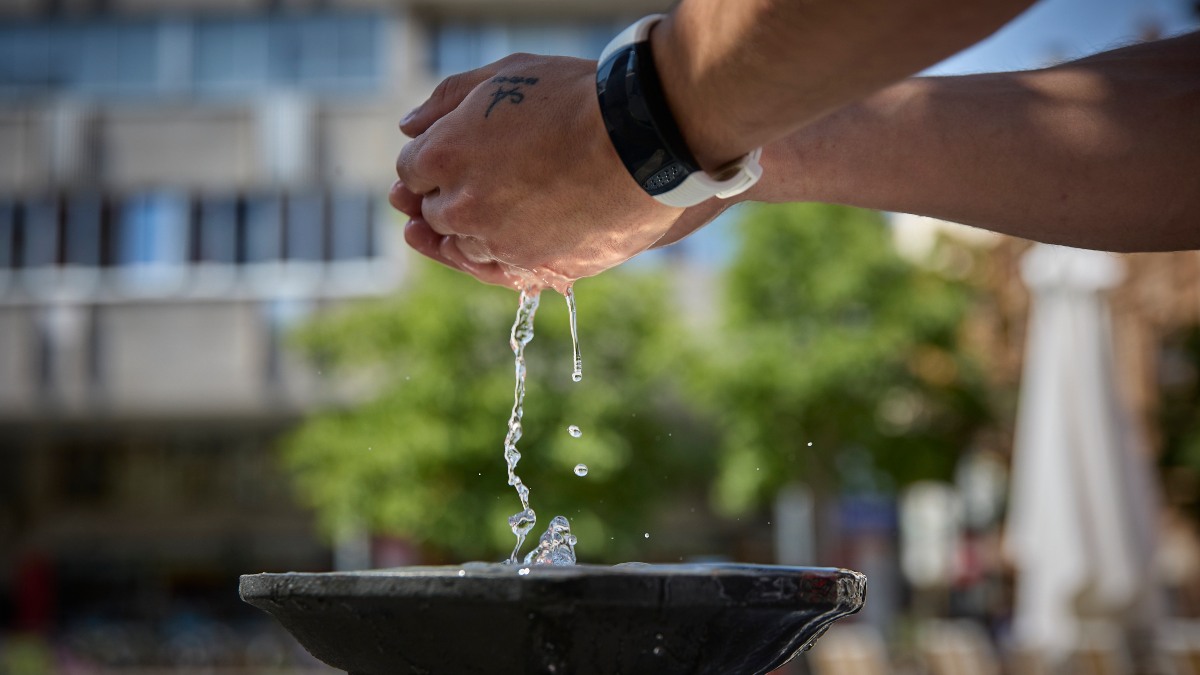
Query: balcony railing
172 245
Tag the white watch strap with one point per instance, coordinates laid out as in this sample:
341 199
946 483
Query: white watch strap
700 186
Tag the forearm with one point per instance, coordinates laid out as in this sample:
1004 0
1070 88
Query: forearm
1099 153
739 74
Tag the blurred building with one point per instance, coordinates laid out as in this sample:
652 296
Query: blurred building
181 181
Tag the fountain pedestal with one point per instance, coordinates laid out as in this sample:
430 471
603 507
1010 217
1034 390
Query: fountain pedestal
583 619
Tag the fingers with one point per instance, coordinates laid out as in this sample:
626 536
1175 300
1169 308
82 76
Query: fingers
412 170
444 249
449 93
404 200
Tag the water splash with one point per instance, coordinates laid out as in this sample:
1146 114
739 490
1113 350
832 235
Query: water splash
522 333
577 373
556 546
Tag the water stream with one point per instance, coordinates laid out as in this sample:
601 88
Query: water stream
557 545
577 373
522 333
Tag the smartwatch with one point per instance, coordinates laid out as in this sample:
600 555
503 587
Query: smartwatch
644 133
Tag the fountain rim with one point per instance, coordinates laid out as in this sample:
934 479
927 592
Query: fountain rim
830 587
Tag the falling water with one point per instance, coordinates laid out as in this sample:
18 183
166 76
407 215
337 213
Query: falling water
522 333
577 372
556 547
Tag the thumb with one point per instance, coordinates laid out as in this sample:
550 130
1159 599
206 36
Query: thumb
449 93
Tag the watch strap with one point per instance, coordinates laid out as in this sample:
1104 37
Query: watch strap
643 131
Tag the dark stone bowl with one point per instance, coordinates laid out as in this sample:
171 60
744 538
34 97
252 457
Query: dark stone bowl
583 620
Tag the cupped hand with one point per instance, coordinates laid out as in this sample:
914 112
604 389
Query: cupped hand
511 177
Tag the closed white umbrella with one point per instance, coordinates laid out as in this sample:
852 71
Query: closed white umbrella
1082 510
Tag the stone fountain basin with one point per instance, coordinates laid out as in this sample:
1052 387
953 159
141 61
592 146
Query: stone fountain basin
634 619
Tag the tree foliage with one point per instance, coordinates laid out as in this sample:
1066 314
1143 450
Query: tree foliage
841 363
1177 416
422 456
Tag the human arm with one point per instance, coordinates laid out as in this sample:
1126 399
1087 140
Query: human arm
1103 152
531 190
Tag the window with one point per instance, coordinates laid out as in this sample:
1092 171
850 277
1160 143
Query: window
459 46
303 50
306 227
264 230
230 55
40 241
24 55
351 227
321 51
359 51
153 238
119 57
7 234
217 240
83 236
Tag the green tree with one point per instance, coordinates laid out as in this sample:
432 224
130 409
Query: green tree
841 363
422 456
1179 414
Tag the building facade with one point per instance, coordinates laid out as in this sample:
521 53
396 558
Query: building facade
181 182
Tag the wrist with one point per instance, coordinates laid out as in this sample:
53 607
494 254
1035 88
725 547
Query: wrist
645 133
704 121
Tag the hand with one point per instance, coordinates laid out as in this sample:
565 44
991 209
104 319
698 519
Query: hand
511 177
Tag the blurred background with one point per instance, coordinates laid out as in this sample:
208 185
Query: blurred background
217 358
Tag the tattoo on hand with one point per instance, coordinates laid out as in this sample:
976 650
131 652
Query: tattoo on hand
513 93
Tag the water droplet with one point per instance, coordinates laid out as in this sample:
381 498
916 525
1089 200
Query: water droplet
572 540
810 444
523 571
647 535
462 573
574 431
659 651
581 470
658 636
577 376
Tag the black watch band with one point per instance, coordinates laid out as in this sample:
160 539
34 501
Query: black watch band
643 130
